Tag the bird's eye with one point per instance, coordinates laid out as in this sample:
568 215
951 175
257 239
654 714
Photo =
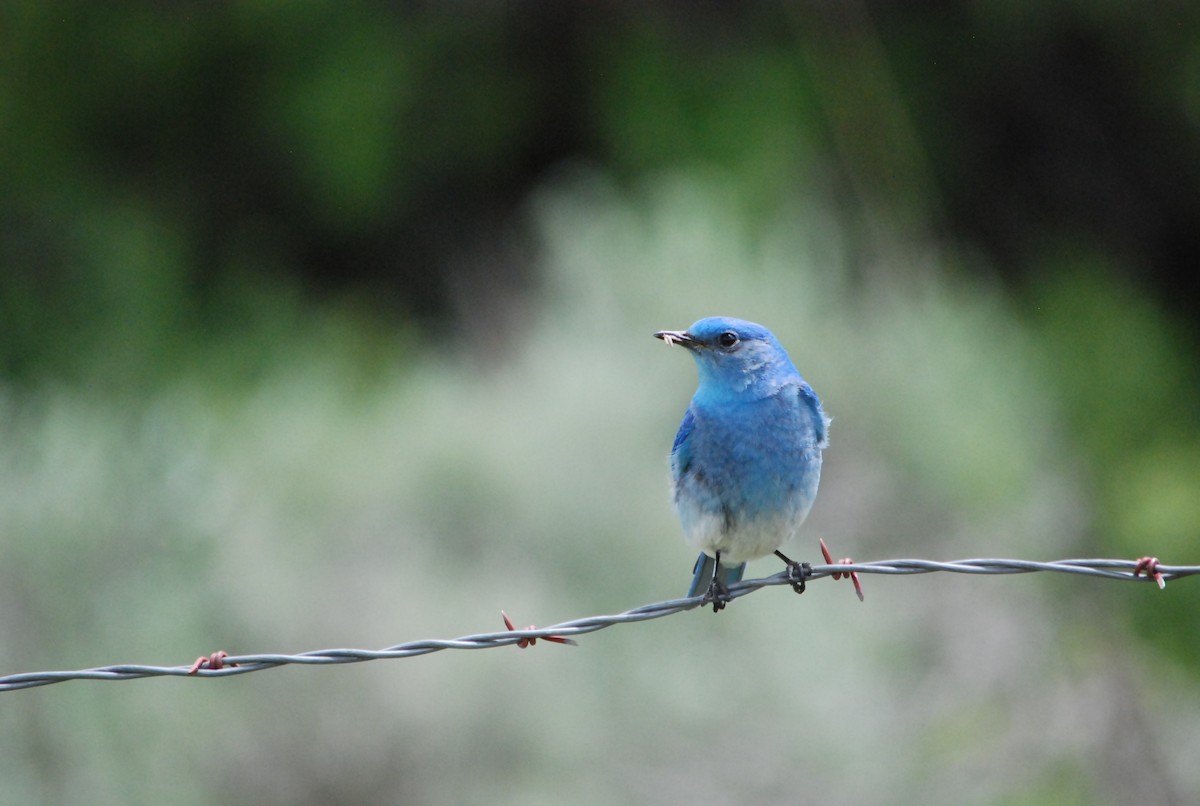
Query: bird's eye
727 339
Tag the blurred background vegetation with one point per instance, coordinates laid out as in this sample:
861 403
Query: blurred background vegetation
328 324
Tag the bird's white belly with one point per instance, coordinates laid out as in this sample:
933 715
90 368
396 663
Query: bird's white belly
748 540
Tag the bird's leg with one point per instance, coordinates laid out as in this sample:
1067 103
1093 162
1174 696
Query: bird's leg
717 593
796 572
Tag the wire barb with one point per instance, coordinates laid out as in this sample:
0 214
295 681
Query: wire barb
526 642
853 575
220 664
214 661
1150 566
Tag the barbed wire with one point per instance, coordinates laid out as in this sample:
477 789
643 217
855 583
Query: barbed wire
223 665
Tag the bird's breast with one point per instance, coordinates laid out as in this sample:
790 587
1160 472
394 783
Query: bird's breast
751 476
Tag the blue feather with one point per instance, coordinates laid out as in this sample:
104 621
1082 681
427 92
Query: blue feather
746 460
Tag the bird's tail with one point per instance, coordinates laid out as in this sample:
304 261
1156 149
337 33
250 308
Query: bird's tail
703 574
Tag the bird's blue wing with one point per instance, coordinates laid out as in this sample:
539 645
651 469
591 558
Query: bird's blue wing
811 405
681 452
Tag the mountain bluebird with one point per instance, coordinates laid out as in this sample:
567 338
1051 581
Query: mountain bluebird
747 458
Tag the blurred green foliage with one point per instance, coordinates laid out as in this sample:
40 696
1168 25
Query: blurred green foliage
329 324
1127 381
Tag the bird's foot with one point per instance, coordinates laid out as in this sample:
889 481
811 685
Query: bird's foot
797 572
717 594
853 575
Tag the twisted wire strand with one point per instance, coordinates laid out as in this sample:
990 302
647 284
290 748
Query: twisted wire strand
243 664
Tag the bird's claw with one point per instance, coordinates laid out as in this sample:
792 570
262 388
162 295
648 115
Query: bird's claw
1149 565
214 661
797 573
717 594
853 575
525 642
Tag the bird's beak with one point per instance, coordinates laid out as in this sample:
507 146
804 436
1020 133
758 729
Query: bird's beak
676 337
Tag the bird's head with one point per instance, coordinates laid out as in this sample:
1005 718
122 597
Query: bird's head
735 358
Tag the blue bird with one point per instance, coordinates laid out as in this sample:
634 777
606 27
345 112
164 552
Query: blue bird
747 458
